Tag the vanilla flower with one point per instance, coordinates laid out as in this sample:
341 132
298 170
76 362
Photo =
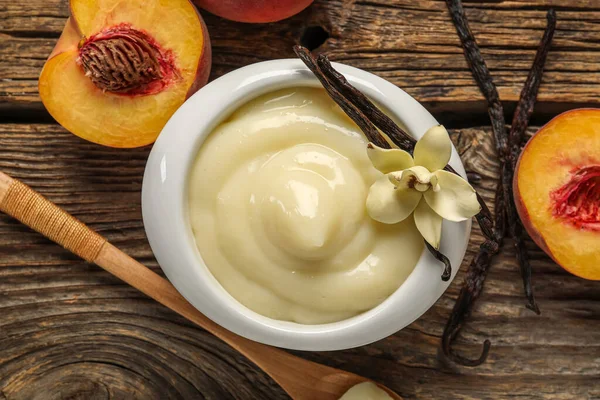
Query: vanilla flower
420 186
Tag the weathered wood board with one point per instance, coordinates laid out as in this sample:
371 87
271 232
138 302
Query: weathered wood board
67 328
70 330
411 43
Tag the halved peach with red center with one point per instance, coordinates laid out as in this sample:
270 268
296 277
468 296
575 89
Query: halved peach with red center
557 190
122 67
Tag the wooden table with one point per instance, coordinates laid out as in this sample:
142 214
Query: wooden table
70 330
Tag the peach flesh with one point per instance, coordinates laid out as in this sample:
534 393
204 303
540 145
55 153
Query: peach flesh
122 67
254 11
557 190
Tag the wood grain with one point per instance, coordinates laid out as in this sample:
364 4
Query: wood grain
412 44
300 378
70 330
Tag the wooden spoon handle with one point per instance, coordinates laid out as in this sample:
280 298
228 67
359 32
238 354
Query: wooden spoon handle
300 378
32 209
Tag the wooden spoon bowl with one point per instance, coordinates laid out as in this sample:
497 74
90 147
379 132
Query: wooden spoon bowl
301 379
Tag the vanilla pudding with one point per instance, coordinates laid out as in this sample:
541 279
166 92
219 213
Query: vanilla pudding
277 208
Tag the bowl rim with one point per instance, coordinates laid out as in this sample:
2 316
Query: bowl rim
164 211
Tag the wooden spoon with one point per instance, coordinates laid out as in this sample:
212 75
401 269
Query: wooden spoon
301 379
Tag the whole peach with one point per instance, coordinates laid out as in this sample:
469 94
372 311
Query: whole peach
256 11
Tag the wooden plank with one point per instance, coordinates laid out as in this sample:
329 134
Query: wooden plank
412 44
70 330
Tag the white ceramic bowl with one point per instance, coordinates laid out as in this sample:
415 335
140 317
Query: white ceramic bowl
164 203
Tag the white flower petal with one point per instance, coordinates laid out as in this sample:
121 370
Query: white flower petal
433 150
389 205
388 160
416 177
429 223
455 200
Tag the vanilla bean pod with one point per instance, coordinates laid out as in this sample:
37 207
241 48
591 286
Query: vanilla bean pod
505 209
356 111
516 231
472 287
378 117
530 90
479 267
517 133
482 75
442 258
370 131
400 138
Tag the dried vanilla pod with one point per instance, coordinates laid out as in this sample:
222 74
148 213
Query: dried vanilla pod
508 147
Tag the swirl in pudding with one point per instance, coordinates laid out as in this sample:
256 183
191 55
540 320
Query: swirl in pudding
277 207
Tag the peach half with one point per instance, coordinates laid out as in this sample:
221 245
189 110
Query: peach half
122 67
557 190
257 11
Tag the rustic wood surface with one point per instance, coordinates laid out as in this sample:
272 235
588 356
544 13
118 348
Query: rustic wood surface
68 330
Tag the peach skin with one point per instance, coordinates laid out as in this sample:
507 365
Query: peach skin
256 11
